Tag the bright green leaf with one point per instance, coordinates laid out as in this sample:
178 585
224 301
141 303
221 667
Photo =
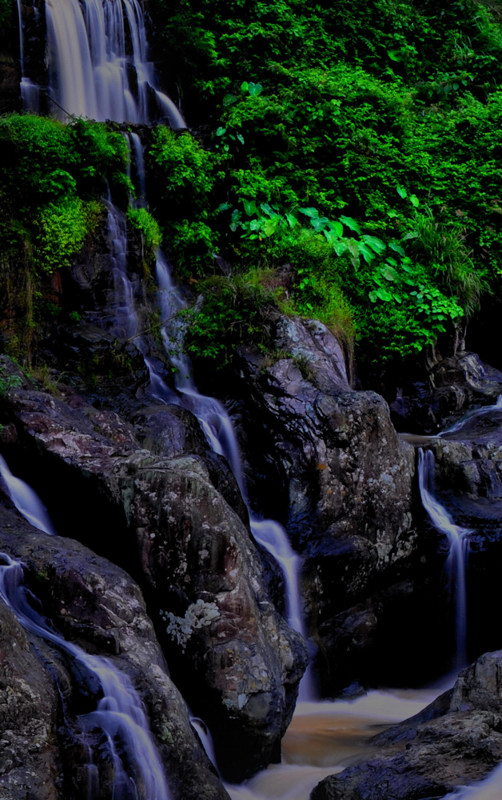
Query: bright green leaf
351 223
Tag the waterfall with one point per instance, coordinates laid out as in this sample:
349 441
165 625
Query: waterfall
26 500
97 58
476 412
211 414
220 434
30 92
125 319
458 538
119 713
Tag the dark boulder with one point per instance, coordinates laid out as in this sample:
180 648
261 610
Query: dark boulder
235 658
455 741
95 605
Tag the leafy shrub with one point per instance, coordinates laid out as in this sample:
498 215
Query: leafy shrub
142 221
181 175
230 312
61 232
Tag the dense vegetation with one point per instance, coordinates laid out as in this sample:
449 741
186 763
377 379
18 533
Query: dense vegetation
358 142
343 161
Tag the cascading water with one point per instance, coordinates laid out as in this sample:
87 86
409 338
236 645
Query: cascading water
30 92
138 771
458 538
97 57
324 738
26 500
220 434
471 415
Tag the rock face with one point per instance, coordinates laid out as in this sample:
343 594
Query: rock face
97 606
236 660
342 484
453 742
451 386
28 716
467 480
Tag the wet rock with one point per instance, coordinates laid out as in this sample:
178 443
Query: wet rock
236 660
29 761
97 606
342 481
448 388
453 742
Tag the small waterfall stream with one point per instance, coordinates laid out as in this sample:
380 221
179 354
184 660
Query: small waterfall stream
26 500
220 434
30 92
138 771
458 538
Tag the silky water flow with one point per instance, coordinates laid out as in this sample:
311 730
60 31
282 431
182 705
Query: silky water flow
96 71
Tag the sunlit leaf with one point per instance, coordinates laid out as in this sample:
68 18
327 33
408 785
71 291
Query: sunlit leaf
351 223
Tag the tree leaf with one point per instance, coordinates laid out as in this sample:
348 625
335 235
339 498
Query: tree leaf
319 224
249 207
313 213
397 248
365 251
374 243
351 223
339 246
390 273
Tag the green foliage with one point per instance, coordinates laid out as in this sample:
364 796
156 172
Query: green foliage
232 311
142 221
60 233
181 174
8 382
351 149
181 177
52 178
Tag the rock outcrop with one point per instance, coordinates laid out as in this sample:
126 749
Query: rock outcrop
94 604
326 461
161 517
446 388
455 741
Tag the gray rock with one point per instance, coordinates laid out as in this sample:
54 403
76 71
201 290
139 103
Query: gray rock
455 741
237 661
97 606
342 482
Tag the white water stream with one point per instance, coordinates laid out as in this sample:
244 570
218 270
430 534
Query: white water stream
26 500
458 539
473 414
220 434
489 789
119 713
324 738
97 57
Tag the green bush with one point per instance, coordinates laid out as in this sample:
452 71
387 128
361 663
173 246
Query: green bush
230 312
143 223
